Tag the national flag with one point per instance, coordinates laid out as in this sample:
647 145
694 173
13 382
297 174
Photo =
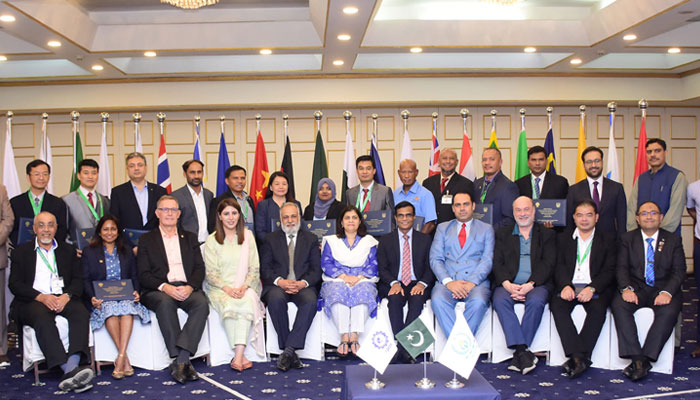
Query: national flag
287 166
320 167
261 172
641 166
434 162
493 140
379 173
549 151
197 153
580 171
415 337
45 150
406 149
377 347
613 168
9 170
77 156
104 179
466 161
349 170
163 170
521 168
461 349
222 166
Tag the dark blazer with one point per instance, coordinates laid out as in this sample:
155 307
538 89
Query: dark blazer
266 211
125 207
22 208
389 260
553 187
188 213
215 203
333 211
506 255
95 269
23 271
501 194
669 261
457 184
274 259
602 261
613 205
152 262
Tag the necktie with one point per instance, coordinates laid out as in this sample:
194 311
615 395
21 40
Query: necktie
92 203
290 248
596 195
406 262
649 272
537 188
36 201
364 197
443 183
462 235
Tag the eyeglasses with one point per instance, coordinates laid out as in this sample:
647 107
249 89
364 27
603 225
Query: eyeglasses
168 210
39 174
42 225
647 213
399 216
591 162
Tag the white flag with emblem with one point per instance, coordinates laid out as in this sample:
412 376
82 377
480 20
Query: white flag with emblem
378 346
461 350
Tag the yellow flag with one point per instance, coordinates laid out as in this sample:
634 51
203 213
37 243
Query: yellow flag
580 172
493 142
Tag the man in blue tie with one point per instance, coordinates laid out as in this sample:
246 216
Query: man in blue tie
650 271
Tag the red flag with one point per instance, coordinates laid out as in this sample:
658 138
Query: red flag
641 165
434 164
261 173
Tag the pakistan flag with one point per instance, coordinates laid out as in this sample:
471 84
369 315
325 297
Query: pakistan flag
415 338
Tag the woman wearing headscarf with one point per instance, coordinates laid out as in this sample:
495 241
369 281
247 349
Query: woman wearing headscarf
326 205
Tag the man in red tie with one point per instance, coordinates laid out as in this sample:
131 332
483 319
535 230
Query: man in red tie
445 185
369 195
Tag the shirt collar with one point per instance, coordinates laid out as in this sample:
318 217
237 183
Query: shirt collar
467 225
541 176
413 188
591 180
53 245
495 176
655 236
409 233
577 235
165 235
40 197
243 198
192 192
448 177
85 191
136 188
369 188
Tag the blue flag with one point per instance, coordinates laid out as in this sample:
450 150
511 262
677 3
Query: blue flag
549 152
379 173
222 166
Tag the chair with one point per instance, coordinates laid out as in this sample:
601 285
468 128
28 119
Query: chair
643 319
221 351
540 343
601 352
483 334
313 346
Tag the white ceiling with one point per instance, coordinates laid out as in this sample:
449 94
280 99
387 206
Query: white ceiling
457 36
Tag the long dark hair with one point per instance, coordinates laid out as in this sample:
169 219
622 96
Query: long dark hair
278 174
219 233
340 231
97 241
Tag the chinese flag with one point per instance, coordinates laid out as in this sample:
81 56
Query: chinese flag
641 166
261 173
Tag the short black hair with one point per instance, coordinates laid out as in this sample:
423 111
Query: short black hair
661 142
405 204
340 231
535 150
586 202
187 164
365 157
590 149
232 168
88 162
647 202
35 163
275 175
471 196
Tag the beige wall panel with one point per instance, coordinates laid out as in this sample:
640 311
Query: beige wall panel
212 131
454 127
145 128
336 159
508 161
566 161
653 126
178 131
421 157
684 127
268 128
390 164
23 136
335 129
61 180
93 133
503 127
569 126
60 134
686 160
21 164
603 126
303 162
301 129
110 158
536 126
420 129
386 128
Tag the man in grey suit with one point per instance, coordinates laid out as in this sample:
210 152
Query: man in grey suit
369 195
85 206
7 219
194 200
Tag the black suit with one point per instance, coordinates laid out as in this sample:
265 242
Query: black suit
215 203
28 311
602 261
22 208
456 184
506 255
124 206
612 212
95 269
333 211
500 193
553 187
669 272
389 264
153 268
274 264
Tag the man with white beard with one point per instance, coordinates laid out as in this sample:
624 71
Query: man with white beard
290 269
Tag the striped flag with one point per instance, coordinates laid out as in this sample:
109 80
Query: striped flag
434 164
549 150
9 170
613 167
197 154
163 170
466 161
493 141
349 170
379 174
580 171
104 179
77 152
45 150
641 166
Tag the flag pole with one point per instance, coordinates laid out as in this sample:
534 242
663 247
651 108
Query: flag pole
375 384
549 117
454 383
643 105
347 115
425 383
317 117
464 113
45 152
405 114
493 120
137 120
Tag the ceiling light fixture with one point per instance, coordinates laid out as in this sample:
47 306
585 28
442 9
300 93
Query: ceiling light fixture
97 67
189 4
7 18
338 62
530 49
266 52
575 61
343 37
674 50
629 37
3 58
501 2
53 43
149 53
416 50
350 10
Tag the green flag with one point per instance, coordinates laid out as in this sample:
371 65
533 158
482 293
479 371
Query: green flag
415 337
77 158
521 168
320 168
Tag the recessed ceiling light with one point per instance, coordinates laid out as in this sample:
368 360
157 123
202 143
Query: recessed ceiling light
530 50
266 52
97 67
629 37
338 62
343 36
149 53
7 18
53 43
3 58
350 10
674 50
416 49
575 61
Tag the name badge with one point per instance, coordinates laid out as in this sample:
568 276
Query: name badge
447 199
56 284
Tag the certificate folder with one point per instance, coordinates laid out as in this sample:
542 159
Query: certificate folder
114 290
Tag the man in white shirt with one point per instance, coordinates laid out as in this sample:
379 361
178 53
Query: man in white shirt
693 205
194 200
85 205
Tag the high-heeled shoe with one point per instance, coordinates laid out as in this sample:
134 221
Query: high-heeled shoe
130 371
116 373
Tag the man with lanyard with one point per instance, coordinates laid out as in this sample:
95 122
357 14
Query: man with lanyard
85 205
236 182
412 192
445 185
496 189
30 203
369 195
540 183
194 200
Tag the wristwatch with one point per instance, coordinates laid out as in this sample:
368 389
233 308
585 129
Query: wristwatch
591 288
627 288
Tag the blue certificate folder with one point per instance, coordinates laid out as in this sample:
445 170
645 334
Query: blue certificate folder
418 223
484 213
82 237
320 228
26 230
114 290
551 210
133 235
378 222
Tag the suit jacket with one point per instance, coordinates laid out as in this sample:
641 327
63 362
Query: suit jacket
382 197
506 256
473 262
95 269
612 210
124 206
188 213
266 211
333 211
215 203
152 262
553 187
456 184
79 214
602 261
22 208
7 220
389 260
501 194
669 262
274 259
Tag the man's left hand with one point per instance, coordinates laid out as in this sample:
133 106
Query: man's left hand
662 299
62 301
418 289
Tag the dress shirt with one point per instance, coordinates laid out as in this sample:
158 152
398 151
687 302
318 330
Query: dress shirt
176 272
34 197
525 265
142 200
693 202
582 272
654 242
245 207
600 186
294 239
410 245
94 196
449 178
42 276
467 228
361 193
541 184
201 209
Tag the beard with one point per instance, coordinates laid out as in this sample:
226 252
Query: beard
45 240
290 230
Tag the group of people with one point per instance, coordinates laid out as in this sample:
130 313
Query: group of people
202 253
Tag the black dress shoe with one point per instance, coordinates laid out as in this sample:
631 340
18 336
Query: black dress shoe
284 362
580 366
190 373
177 371
568 366
641 370
696 352
515 363
628 370
296 362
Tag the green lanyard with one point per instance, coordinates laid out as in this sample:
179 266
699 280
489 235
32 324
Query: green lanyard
90 207
361 204
485 189
46 261
35 207
534 192
580 260
245 201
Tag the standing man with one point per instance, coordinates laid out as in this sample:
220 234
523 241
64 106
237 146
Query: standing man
403 259
414 193
650 271
236 181
496 189
30 203
445 185
194 200
540 184
693 209
523 262
171 272
7 219
85 205
461 257
369 195
662 184
290 268
608 195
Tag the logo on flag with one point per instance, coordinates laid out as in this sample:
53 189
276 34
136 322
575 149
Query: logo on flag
415 337
461 350
377 347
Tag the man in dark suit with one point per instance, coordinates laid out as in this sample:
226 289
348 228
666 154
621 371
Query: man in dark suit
403 259
134 201
46 280
290 269
650 271
608 195
546 185
369 195
171 272
523 262
236 182
446 185
7 219
194 200
584 274
36 199
495 188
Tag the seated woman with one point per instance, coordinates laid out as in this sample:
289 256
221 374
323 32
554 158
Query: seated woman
107 258
269 209
326 205
233 281
349 264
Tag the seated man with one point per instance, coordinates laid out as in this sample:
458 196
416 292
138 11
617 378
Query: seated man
650 271
171 272
523 261
403 259
290 268
461 256
46 280
584 274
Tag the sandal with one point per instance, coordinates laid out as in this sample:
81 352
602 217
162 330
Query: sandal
130 371
343 348
237 367
354 346
117 374
247 365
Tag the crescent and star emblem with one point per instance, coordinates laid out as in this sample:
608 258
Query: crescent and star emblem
420 341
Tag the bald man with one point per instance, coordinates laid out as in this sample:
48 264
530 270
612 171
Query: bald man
495 188
447 184
412 192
